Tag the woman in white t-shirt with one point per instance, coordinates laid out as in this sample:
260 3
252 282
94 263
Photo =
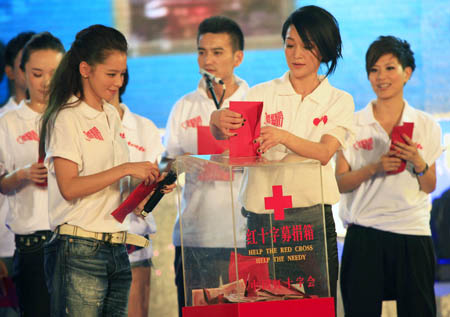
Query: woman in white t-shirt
313 120
24 177
388 252
88 161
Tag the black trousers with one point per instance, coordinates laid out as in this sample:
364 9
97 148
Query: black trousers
29 276
379 265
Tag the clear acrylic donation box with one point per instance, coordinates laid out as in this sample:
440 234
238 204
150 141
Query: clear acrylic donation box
252 236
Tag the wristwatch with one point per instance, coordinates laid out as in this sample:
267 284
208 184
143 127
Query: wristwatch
423 172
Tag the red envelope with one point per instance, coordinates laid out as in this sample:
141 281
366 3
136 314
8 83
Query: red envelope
242 144
207 144
248 269
132 201
44 184
396 136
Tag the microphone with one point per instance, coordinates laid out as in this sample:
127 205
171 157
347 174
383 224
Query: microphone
210 76
157 195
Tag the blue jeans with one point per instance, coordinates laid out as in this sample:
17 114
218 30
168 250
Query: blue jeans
87 277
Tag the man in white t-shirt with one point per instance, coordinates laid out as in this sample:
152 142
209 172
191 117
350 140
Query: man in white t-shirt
220 45
16 77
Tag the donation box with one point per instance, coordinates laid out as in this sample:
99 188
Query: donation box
252 235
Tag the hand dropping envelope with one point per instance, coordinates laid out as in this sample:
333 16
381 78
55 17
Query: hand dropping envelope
242 144
396 136
133 200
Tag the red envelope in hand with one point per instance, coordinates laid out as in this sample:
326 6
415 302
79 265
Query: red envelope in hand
396 136
242 144
133 201
207 144
44 184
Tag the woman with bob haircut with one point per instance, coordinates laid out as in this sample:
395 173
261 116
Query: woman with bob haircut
311 38
388 251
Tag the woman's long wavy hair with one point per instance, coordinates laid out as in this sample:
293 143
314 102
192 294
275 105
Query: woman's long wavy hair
92 45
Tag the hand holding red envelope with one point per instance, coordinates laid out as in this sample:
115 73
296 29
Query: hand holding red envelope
242 144
45 183
133 201
396 136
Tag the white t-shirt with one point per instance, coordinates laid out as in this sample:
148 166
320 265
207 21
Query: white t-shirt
392 203
144 144
327 110
19 146
207 212
10 105
91 139
7 244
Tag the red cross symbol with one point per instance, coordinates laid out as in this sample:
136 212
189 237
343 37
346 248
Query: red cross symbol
278 202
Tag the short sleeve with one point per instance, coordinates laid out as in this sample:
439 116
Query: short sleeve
64 140
154 138
4 157
341 116
433 147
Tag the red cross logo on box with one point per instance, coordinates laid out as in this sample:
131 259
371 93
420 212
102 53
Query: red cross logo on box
278 202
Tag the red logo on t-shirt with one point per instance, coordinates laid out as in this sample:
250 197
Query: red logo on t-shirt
366 144
138 147
93 133
275 119
316 121
29 136
192 123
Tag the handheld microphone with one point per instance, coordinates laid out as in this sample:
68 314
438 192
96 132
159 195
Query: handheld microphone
157 194
210 76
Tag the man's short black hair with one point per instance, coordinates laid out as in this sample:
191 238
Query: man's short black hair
15 45
390 45
221 24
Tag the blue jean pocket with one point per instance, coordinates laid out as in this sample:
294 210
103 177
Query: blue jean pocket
82 248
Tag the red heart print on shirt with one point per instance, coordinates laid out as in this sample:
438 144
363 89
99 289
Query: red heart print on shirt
324 118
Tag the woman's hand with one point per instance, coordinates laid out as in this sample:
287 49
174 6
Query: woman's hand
270 137
408 152
36 172
167 188
388 163
146 171
223 121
